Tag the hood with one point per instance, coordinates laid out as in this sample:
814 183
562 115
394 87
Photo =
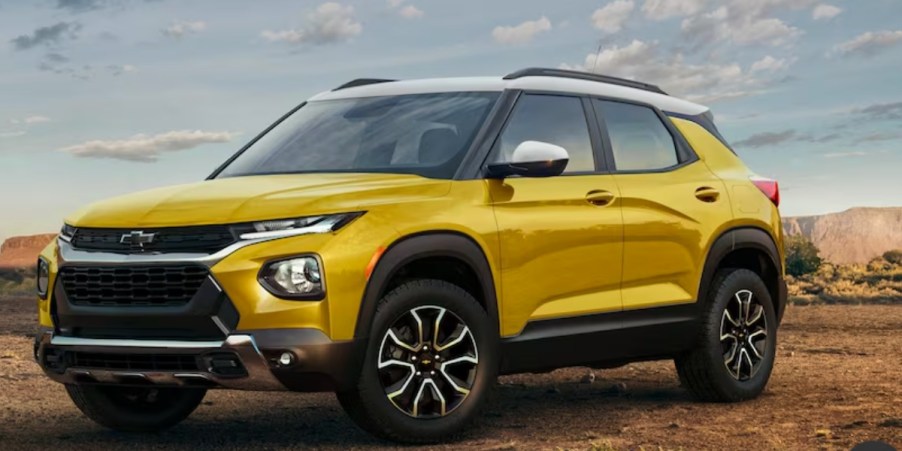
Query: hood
254 198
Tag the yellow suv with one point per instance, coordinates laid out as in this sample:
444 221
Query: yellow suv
402 243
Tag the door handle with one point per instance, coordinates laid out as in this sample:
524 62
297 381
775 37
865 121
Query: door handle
707 194
599 197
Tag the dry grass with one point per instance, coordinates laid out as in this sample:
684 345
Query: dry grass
878 282
16 282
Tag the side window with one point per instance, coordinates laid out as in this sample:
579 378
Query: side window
639 141
558 120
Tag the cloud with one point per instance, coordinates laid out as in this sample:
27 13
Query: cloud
665 9
56 58
644 61
395 3
878 137
767 139
330 23
825 138
410 12
119 69
743 22
611 17
825 12
774 138
30 120
77 6
11 134
869 44
857 153
522 33
770 64
147 148
177 30
49 35
727 24
880 111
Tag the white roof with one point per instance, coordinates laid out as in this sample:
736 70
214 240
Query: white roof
535 83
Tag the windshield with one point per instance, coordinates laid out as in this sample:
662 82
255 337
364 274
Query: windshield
423 134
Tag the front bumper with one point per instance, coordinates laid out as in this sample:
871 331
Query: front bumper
243 361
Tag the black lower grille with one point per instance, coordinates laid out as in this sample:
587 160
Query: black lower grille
132 285
205 239
134 362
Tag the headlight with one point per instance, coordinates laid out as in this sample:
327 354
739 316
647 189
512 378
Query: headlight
294 278
43 278
281 228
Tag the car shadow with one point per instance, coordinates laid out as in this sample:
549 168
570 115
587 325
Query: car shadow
322 424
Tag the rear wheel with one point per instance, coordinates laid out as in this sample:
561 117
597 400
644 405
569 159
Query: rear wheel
430 362
135 409
737 346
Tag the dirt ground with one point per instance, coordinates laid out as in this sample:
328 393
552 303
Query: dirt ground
837 382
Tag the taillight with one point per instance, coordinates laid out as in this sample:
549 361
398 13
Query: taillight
770 188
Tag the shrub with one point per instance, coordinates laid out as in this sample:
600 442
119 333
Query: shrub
893 256
878 264
802 256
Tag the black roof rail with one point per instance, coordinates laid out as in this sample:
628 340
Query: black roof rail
363 82
546 72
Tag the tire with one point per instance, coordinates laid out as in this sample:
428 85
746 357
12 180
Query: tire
383 404
135 409
710 371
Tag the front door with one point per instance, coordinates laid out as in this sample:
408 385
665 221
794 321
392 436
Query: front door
561 237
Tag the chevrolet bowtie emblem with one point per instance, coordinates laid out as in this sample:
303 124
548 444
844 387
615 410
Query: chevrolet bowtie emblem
137 238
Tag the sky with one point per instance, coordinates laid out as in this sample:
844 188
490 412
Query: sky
104 97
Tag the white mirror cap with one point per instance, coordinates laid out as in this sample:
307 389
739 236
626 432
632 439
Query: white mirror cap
530 151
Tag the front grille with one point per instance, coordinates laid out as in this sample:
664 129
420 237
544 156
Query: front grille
202 239
132 285
134 362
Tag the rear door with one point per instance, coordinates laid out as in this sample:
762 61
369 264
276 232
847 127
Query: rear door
672 204
560 237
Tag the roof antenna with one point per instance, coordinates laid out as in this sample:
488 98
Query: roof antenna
597 51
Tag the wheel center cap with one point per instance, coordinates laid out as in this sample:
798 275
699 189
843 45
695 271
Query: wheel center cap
427 361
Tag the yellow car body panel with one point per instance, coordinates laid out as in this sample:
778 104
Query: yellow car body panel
255 198
667 232
560 255
750 207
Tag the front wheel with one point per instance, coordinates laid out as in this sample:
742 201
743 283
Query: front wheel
135 409
737 345
431 360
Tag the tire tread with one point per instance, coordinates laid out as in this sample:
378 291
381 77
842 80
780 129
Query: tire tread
354 401
695 369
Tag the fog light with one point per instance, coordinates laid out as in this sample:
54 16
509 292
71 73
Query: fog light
286 359
298 278
43 277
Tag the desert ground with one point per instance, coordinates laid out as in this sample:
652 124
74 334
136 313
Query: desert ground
836 384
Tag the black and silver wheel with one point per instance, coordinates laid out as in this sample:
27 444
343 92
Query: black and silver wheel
135 409
737 344
427 362
430 363
743 335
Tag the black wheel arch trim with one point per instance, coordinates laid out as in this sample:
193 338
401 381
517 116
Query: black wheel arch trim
743 238
440 243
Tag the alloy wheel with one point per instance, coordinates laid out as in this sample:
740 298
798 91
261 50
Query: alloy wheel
427 362
743 335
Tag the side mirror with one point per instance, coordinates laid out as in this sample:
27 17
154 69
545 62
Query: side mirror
532 159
